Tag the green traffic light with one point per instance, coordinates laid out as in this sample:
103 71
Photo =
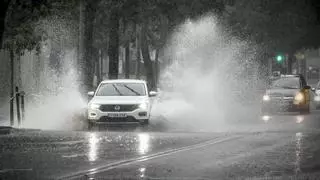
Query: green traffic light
279 58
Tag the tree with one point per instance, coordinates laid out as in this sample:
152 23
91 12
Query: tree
17 35
4 5
146 56
276 25
86 42
113 50
158 18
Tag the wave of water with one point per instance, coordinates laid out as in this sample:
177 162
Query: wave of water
211 73
56 100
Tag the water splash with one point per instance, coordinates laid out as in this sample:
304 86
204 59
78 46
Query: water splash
53 98
51 80
211 78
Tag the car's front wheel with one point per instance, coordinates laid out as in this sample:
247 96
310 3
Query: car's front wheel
305 110
145 124
90 125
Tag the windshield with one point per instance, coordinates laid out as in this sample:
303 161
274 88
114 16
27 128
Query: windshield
286 83
121 89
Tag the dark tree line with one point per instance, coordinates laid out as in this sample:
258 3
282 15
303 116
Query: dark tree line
105 25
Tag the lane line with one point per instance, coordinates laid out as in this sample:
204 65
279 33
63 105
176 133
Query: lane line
12 170
118 164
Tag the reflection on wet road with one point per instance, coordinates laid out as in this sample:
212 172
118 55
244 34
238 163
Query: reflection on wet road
274 146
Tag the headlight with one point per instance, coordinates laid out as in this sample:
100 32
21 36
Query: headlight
299 97
94 106
266 98
143 106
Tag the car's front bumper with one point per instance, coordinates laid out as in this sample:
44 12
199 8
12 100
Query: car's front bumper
138 116
282 106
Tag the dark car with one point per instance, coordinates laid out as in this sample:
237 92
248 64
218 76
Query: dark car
288 93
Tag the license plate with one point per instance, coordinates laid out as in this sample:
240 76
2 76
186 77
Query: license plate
120 115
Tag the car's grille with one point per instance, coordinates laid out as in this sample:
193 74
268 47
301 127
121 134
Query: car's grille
276 95
122 119
118 108
282 99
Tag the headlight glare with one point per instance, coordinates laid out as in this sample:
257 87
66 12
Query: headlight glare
266 98
299 97
94 106
143 105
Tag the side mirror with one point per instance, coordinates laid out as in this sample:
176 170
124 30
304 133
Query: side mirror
91 93
152 93
307 87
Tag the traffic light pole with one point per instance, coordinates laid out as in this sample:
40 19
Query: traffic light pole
270 66
289 64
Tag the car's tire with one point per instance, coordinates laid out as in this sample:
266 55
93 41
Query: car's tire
146 122
305 110
145 125
90 125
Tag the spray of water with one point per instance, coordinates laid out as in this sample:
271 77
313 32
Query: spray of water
53 100
57 100
210 80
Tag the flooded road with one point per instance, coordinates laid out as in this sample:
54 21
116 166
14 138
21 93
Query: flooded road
285 145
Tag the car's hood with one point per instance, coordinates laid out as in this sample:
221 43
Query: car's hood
119 99
282 92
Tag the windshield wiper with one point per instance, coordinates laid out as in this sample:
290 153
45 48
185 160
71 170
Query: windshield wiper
138 94
115 87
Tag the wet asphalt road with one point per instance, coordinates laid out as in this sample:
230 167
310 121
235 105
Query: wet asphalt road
286 145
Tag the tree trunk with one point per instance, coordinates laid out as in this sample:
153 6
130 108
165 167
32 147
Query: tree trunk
138 46
127 50
289 65
12 87
88 40
55 61
38 67
105 59
156 66
146 57
96 59
81 50
3 12
127 61
18 73
99 65
163 36
86 64
113 49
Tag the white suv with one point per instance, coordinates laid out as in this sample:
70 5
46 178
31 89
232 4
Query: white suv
121 101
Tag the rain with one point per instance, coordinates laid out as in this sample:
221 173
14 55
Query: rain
159 90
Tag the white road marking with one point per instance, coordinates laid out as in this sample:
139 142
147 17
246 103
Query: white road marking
10 170
118 164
